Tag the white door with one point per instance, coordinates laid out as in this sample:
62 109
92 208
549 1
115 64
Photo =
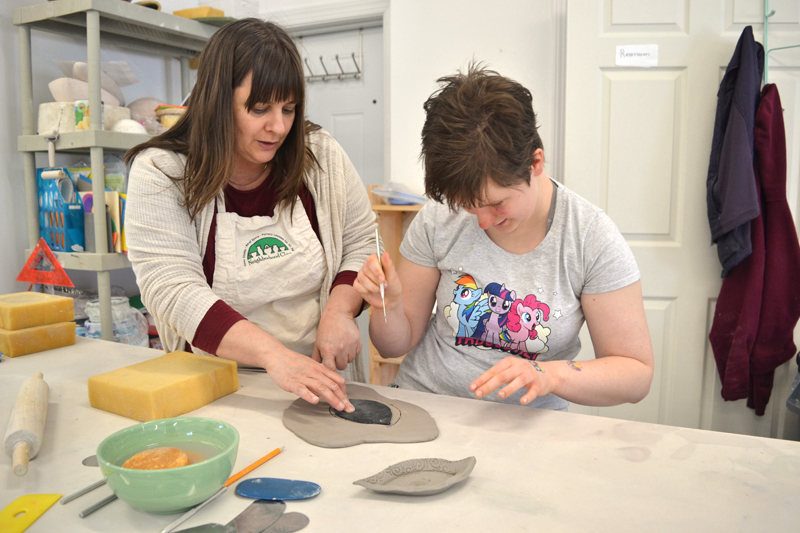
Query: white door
350 109
638 144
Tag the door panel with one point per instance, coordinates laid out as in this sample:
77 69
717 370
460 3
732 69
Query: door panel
350 109
637 144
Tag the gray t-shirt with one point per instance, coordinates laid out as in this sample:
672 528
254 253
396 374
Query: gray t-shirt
491 303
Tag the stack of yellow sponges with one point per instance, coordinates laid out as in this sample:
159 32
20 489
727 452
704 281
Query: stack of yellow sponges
163 387
33 322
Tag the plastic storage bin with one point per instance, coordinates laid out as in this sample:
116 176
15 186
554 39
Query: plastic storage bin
130 326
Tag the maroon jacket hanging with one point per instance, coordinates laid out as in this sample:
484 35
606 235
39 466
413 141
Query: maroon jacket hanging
759 303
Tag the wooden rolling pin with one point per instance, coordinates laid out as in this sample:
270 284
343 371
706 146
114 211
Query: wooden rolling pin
26 427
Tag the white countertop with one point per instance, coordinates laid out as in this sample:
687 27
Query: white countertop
536 470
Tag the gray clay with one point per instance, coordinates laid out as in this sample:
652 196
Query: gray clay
419 477
317 425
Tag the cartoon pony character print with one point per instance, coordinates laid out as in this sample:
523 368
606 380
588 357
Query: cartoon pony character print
494 318
493 323
523 318
466 295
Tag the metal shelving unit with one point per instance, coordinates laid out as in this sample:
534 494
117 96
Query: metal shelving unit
112 22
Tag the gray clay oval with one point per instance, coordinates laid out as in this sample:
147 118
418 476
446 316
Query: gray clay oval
419 477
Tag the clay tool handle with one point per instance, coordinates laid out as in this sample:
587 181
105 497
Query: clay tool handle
25 428
99 505
83 491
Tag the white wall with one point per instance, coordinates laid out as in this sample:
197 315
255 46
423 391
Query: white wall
424 41
428 40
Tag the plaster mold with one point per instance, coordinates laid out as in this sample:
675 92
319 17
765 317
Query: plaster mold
318 425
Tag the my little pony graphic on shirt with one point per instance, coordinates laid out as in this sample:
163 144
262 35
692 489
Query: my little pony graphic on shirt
468 314
494 318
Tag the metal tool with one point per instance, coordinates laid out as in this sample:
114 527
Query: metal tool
92 508
258 516
188 514
89 461
67 499
288 523
378 246
191 512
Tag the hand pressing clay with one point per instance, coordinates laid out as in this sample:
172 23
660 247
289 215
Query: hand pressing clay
157 459
319 424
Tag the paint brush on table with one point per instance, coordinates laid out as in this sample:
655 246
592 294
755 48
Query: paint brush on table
191 512
378 246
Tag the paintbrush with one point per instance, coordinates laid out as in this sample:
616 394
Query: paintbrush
378 246
188 514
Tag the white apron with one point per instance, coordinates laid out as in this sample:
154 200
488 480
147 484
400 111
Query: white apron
271 272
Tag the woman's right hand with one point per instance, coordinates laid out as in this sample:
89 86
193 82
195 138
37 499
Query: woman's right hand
371 275
308 379
293 372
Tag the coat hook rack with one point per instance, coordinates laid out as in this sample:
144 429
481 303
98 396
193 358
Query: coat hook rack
305 60
342 74
326 77
767 14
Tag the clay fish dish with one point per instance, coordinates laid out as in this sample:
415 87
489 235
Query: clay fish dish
419 477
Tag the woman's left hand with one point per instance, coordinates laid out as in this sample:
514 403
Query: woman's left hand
338 339
515 373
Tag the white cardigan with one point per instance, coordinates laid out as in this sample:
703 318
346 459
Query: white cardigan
166 248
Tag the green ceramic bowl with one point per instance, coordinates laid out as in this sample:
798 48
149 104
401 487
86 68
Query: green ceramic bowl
171 490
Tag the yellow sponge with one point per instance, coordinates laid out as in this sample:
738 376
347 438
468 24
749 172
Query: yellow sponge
166 386
18 342
199 12
26 309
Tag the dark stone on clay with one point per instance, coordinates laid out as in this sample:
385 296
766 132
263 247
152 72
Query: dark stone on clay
367 412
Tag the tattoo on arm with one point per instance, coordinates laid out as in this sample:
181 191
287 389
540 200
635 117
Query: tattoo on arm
537 367
575 366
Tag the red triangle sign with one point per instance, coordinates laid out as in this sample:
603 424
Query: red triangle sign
43 268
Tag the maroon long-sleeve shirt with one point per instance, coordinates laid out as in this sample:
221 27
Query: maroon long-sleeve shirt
260 201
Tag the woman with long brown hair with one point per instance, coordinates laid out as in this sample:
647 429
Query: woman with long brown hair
246 225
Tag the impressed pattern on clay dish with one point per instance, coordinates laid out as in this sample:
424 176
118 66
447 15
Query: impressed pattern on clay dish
316 424
419 477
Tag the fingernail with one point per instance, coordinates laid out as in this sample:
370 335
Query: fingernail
479 394
350 408
501 394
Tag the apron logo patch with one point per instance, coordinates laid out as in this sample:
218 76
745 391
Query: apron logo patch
265 247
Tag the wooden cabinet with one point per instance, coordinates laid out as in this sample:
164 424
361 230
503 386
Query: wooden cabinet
391 219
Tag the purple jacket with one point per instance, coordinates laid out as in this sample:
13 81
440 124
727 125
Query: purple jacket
759 303
731 186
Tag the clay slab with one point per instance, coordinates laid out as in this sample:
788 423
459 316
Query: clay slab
419 477
318 425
